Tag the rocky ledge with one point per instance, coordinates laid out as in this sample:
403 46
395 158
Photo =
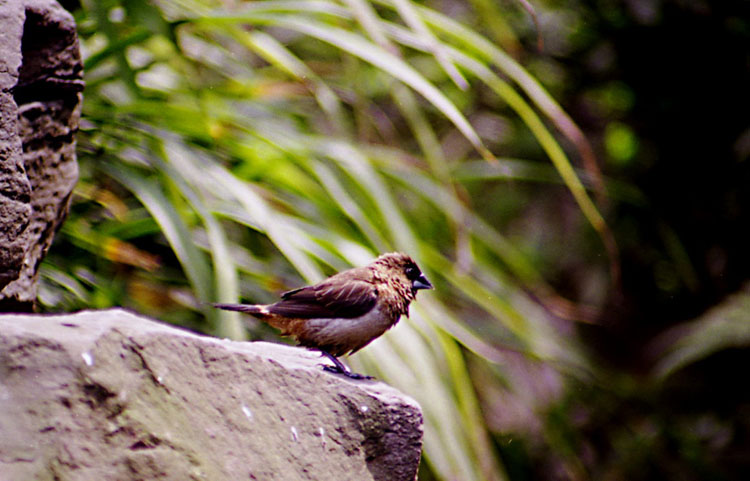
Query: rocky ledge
108 395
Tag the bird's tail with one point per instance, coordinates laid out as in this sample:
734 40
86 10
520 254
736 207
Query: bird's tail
257 310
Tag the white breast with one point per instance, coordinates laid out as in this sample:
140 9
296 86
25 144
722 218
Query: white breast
349 331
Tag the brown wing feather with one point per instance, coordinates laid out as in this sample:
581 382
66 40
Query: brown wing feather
346 295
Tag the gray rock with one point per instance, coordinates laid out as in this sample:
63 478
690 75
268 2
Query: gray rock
15 189
40 98
108 395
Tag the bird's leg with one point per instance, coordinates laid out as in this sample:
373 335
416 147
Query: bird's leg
339 367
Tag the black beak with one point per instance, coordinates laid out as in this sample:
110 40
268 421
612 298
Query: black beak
421 282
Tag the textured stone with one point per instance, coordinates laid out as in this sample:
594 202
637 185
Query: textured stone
40 97
107 395
15 189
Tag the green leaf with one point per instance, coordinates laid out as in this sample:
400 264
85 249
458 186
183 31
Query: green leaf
724 327
175 229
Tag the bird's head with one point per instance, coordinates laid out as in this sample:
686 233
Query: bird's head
402 266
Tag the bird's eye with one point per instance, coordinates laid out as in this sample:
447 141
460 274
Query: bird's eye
412 272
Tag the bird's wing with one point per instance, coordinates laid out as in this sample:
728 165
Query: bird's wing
336 297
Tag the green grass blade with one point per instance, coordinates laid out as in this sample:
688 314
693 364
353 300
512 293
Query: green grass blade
371 53
274 52
410 14
359 168
149 193
183 174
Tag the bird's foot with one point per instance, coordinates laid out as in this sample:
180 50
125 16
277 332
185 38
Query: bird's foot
347 373
339 368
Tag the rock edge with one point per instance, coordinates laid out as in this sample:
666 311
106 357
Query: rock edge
108 395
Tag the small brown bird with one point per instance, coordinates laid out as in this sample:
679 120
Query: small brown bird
347 311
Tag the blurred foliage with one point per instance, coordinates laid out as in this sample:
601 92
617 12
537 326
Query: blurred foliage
232 150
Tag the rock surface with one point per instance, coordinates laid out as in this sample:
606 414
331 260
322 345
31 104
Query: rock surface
40 98
15 189
108 395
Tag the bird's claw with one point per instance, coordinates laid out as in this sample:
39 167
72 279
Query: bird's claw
349 374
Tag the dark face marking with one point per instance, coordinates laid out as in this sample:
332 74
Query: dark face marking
412 271
418 280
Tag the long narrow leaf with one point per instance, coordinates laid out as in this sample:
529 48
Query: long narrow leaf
372 53
175 230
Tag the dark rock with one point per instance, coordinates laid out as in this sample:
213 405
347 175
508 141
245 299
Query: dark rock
40 96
